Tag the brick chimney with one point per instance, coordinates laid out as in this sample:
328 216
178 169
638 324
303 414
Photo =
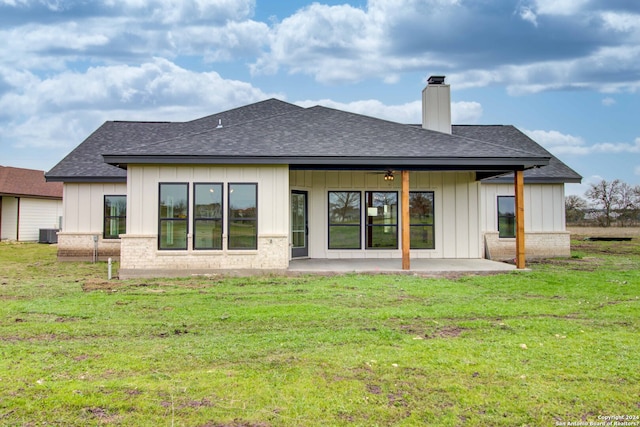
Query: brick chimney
436 105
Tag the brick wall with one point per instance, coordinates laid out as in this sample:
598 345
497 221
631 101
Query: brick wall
81 247
141 258
537 245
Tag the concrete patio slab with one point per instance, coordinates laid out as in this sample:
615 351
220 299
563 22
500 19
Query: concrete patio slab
426 267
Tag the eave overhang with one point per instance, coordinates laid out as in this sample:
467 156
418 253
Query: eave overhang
87 179
489 164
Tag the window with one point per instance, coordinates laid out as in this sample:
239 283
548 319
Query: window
421 213
243 216
207 216
382 219
115 216
506 216
173 216
344 220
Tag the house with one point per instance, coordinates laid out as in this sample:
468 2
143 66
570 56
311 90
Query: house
254 187
28 204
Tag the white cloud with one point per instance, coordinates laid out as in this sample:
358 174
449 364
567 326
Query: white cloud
135 30
559 143
409 113
528 15
63 109
184 11
617 147
608 101
404 113
326 41
467 113
589 72
559 7
622 22
581 188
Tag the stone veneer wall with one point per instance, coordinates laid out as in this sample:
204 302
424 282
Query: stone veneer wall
141 258
81 247
536 244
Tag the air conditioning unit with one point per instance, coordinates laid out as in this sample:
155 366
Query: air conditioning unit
48 235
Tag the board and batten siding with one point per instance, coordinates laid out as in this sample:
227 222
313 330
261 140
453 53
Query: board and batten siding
83 205
143 189
543 206
140 256
456 198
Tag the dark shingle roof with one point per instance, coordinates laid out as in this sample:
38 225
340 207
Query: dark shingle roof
321 132
27 182
275 132
86 164
510 136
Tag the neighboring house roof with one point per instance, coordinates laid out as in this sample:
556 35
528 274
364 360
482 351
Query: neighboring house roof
27 183
275 132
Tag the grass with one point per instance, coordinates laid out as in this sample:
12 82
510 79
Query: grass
555 345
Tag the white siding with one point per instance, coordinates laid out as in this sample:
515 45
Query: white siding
543 206
456 198
9 218
143 185
36 214
83 205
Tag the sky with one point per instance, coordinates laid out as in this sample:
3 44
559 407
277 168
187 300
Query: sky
565 72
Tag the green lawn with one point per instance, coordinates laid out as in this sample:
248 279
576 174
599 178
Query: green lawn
559 344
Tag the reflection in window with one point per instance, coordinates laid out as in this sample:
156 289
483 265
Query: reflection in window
115 216
344 220
421 212
207 216
382 219
243 216
506 216
173 216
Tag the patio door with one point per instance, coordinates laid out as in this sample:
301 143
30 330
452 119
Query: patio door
299 225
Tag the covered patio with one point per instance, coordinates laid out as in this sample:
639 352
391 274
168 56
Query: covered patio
422 267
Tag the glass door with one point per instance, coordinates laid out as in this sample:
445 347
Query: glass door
299 225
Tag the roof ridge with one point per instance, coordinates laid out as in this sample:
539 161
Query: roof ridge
209 130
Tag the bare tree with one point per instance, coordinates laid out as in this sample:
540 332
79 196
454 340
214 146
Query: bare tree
626 204
605 195
574 207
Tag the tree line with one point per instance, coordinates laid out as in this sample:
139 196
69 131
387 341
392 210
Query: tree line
605 203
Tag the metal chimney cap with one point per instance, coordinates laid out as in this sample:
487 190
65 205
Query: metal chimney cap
436 80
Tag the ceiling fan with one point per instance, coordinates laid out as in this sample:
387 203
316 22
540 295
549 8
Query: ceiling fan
388 174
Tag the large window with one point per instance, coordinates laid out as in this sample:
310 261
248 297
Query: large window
243 216
382 219
422 219
344 220
173 216
115 216
506 216
207 216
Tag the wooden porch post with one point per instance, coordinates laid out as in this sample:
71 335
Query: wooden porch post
406 235
520 251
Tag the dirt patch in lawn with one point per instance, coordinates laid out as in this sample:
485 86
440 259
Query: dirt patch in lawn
425 328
